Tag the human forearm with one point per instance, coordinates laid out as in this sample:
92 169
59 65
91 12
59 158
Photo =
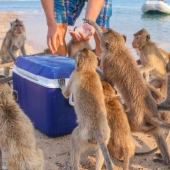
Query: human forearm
93 9
48 6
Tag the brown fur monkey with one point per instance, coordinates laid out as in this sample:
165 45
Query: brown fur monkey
165 105
13 42
121 144
85 85
17 134
121 71
74 46
151 59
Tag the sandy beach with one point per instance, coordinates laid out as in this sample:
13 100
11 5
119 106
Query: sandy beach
56 150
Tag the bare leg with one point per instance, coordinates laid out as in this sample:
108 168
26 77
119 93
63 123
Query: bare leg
75 149
0 159
61 49
162 145
6 71
126 160
99 159
98 49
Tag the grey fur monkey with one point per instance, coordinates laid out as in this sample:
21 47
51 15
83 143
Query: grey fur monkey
85 85
165 105
151 58
121 70
13 42
17 134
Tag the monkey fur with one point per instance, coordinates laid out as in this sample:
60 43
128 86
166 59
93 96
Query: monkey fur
13 42
121 71
17 134
86 87
121 144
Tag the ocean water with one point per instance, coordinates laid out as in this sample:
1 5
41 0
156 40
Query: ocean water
127 18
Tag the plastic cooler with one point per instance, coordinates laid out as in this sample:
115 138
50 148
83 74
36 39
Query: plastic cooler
39 96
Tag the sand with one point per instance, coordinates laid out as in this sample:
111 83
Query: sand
56 150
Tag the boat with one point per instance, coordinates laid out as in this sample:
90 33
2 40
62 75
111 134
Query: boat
155 7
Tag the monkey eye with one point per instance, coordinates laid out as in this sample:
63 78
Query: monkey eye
107 45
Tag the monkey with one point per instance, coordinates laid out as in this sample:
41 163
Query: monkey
13 42
165 105
17 134
121 71
165 54
121 144
73 46
85 85
151 59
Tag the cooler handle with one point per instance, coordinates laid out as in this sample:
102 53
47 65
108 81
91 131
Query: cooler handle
71 100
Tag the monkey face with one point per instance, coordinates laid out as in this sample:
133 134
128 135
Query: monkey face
140 39
17 27
135 43
86 59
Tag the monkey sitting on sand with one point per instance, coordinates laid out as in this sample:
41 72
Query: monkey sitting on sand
17 135
86 87
121 144
13 42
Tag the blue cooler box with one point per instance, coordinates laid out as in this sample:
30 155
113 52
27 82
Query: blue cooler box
36 80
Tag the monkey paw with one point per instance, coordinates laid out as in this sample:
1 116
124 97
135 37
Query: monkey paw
61 82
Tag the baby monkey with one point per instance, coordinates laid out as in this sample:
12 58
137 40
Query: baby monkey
17 134
121 144
13 42
86 87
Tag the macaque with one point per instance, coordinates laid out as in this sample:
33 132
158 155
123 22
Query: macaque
121 71
152 61
13 43
86 87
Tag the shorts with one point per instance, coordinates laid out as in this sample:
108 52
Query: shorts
67 11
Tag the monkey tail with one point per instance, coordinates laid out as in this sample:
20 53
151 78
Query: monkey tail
104 150
146 153
156 121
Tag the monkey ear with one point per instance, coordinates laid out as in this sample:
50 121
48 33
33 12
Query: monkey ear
107 45
124 36
148 37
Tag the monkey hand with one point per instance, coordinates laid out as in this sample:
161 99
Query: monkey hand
61 82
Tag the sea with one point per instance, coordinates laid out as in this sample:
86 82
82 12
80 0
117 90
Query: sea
127 18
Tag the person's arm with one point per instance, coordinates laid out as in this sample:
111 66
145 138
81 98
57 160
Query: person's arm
54 32
93 9
85 31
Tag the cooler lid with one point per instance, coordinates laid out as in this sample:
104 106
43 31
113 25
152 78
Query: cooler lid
49 66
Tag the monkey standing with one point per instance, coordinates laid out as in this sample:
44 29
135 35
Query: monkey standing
85 85
121 144
17 134
151 59
12 43
120 70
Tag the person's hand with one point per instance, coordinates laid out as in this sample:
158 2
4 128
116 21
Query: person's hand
83 32
54 34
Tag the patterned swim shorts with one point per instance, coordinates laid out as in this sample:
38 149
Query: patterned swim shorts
67 11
